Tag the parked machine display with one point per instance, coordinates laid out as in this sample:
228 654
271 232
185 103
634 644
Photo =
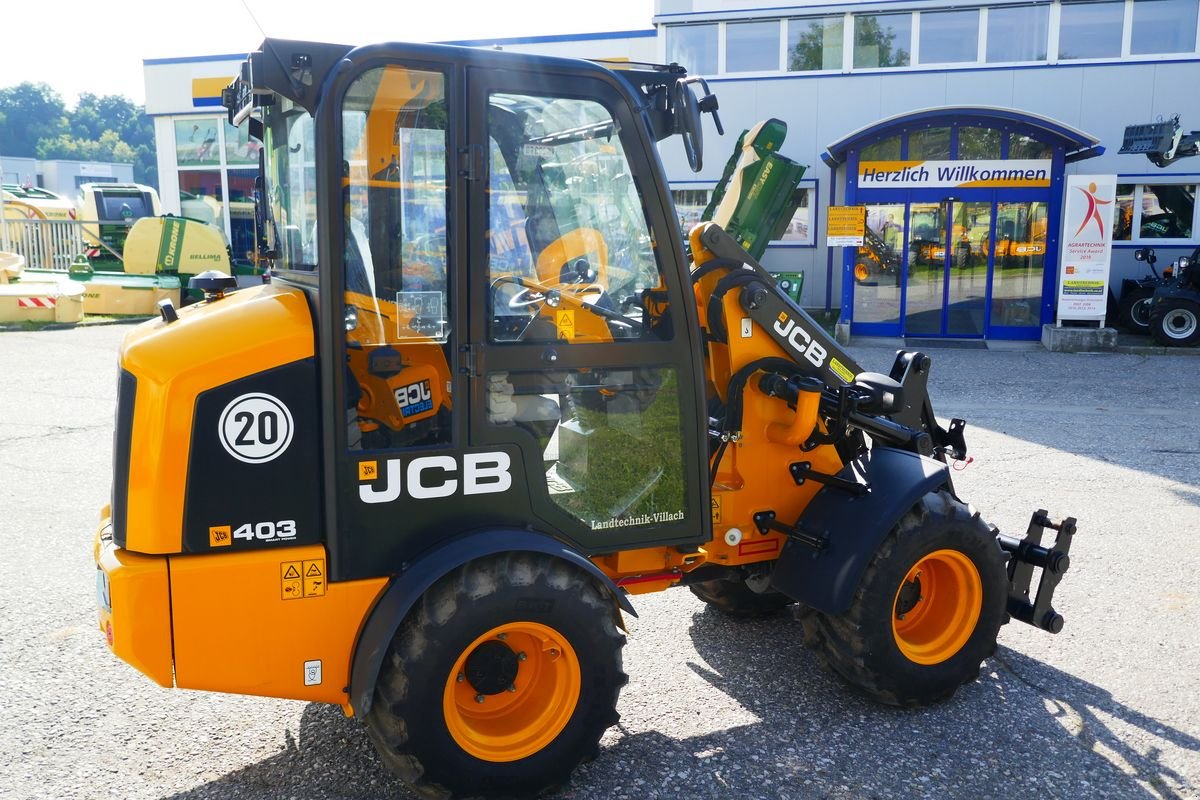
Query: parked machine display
487 398
1169 305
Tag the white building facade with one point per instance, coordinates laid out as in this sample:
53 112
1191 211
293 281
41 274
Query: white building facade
966 95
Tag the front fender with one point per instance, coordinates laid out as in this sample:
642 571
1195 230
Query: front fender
407 587
854 526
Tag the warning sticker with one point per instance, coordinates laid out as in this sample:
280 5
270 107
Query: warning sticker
716 509
314 578
839 369
368 470
220 536
291 584
565 322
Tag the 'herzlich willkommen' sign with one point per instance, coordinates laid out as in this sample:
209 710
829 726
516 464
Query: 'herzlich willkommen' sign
953 174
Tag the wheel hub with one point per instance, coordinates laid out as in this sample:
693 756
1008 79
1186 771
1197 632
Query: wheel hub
1139 312
910 595
936 607
1180 323
492 667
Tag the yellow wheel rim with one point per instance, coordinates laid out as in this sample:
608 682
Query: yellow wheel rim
937 606
861 272
499 723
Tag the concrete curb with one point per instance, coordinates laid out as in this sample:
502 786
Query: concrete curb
62 326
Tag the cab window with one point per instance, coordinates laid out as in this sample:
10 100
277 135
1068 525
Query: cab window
396 286
570 254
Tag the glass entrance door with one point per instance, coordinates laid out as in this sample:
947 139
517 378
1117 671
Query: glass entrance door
967 276
948 257
1019 268
925 290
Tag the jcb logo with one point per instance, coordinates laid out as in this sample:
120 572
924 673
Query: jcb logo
787 327
414 398
433 476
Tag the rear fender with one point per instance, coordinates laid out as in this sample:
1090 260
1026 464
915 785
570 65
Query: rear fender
853 525
404 591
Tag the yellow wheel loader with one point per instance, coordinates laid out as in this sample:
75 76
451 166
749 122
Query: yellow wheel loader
489 397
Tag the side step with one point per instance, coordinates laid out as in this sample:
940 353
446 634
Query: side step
1027 553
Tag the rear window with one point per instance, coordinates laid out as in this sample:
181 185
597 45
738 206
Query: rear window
113 206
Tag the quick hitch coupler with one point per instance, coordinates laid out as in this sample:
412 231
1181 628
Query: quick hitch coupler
1023 556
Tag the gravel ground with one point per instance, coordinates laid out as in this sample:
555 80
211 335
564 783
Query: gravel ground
714 708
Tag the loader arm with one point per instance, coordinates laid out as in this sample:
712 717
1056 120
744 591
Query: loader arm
909 424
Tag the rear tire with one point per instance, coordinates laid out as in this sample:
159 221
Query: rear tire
927 610
1134 309
1176 322
531 635
735 599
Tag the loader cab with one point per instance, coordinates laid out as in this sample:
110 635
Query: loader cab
500 293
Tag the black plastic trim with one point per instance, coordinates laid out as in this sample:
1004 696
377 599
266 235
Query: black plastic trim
122 447
853 525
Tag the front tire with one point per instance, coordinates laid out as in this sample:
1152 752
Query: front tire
927 610
1134 309
501 680
1176 323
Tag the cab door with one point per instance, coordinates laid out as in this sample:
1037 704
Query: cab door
580 352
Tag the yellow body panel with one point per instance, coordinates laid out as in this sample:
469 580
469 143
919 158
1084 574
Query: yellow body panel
210 345
244 624
137 619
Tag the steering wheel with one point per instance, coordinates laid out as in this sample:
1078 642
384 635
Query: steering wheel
569 247
528 296
532 293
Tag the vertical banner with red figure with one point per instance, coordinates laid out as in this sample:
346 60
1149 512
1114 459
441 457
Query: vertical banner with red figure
1086 248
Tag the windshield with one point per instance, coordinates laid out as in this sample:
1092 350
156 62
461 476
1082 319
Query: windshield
565 214
291 185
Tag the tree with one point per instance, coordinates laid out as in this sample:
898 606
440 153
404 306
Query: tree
34 122
30 112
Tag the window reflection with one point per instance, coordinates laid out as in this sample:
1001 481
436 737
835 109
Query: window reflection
694 47
883 40
815 44
1123 221
949 36
196 142
752 46
1022 146
884 150
572 258
878 265
1017 33
1163 26
1167 211
1019 260
931 144
976 144
1091 30
398 341
610 438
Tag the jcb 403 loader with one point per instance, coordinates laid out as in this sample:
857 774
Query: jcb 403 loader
485 399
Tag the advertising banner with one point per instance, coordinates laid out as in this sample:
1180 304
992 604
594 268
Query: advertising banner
1086 247
953 174
846 226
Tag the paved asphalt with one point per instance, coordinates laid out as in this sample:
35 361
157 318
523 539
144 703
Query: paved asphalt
714 709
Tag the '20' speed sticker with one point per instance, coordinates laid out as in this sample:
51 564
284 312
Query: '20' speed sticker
256 428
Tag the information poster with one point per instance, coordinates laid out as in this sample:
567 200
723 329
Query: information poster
1086 248
846 226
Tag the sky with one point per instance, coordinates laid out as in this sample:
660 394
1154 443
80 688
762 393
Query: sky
97 46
